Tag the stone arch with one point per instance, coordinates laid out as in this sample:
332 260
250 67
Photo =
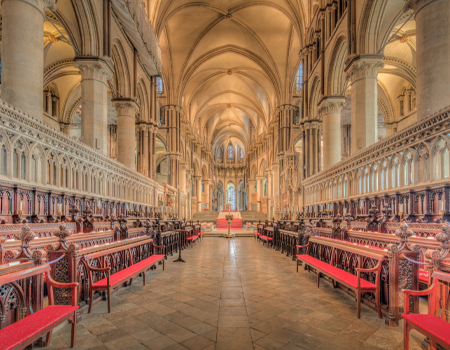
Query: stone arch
337 82
122 72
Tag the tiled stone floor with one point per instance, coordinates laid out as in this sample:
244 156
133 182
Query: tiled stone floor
231 294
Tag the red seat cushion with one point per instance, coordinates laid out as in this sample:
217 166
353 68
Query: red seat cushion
431 324
15 334
423 276
124 274
339 274
192 238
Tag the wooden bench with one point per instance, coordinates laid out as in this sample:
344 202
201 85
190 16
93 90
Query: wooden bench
351 281
266 236
29 329
435 328
112 281
192 236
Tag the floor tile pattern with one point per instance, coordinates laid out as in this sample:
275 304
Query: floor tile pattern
231 295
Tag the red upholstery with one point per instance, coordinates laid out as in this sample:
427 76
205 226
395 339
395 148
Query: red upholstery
124 274
341 275
192 238
431 324
222 223
423 276
266 238
15 334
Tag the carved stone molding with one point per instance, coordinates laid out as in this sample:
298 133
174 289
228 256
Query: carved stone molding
95 68
40 5
364 67
125 106
416 5
331 104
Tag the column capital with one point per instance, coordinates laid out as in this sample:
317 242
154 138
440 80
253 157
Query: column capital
197 177
330 104
65 127
416 5
364 66
142 127
95 68
125 106
40 5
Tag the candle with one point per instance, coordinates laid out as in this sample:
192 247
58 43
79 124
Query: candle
21 204
441 204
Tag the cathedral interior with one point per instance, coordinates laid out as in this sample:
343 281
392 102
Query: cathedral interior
222 133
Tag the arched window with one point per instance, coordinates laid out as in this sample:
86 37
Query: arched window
395 173
219 153
159 86
299 78
441 160
265 187
374 179
230 152
3 158
231 198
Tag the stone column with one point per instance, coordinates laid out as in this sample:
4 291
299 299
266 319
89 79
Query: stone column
433 47
198 188
126 112
206 188
145 150
23 54
270 199
362 73
259 191
407 102
151 151
95 72
251 190
330 108
49 103
183 167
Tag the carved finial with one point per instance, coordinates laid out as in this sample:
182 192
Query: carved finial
25 235
403 233
444 236
63 232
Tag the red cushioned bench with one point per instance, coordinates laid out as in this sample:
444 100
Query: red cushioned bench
435 328
265 235
29 329
112 281
353 282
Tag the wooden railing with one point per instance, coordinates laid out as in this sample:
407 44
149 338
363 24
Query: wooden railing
409 171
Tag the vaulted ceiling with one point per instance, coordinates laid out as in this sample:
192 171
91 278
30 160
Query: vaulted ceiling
229 63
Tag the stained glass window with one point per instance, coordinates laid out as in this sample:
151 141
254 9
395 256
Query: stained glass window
230 152
219 154
242 153
299 78
231 198
159 85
